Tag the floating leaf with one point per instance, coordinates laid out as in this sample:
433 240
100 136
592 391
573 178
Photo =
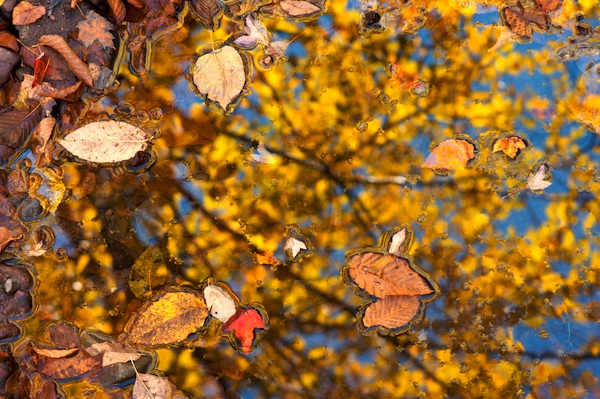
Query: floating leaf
450 155
220 75
26 13
384 275
396 246
293 246
536 181
299 8
519 21
148 386
549 5
96 27
263 155
391 312
208 12
113 353
267 258
256 33
221 304
106 142
149 271
61 364
510 146
169 318
243 325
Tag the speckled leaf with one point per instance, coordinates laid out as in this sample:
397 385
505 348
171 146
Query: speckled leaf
168 319
106 142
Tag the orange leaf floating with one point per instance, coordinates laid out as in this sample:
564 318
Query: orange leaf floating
548 5
509 145
519 21
391 312
384 275
387 273
243 324
450 155
267 258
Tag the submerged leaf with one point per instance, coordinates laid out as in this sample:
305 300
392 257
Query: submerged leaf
220 75
106 142
391 312
167 319
149 271
450 155
385 275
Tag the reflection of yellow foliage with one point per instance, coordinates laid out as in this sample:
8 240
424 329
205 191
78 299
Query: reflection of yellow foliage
587 111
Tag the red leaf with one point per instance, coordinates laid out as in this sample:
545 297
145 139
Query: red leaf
243 325
41 67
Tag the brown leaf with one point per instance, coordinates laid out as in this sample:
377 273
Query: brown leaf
148 386
299 8
384 275
450 155
64 335
208 12
113 353
79 68
267 258
26 13
118 10
519 21
8 41
96 27
17 124
41 135
168 319
70 93
391 312
55 353
6 238
509 145
548 5
75 363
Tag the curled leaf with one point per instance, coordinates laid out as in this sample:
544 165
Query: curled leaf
221 304
537 181
26 13
510 146
79 68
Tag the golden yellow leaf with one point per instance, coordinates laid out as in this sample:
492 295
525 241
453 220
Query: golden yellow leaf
509 145
169 318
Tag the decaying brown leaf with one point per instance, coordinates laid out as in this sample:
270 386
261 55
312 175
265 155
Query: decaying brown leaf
70 93
41 135
16 124
208 12
61 364
113 353
96 27
26 13
391 312
118 9
298 8
520 21
47 187
450 155
79 68
6 238
148 386
9 41
169 318
385 275
510 146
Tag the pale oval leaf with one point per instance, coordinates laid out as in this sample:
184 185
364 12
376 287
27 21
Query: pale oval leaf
220 75
256 33
106 141
221 305
296 8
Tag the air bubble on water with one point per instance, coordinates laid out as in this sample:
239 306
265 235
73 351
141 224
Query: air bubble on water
419 88
362 126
